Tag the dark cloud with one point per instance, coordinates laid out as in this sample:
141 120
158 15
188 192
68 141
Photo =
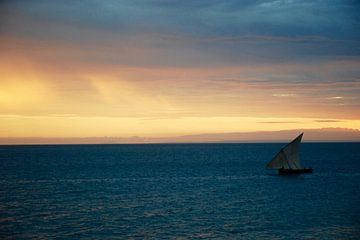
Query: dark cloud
333 19
279 122
194 33
327 121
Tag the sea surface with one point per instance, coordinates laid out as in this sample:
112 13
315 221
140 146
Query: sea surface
177 191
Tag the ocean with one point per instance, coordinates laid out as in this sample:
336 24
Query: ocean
177 191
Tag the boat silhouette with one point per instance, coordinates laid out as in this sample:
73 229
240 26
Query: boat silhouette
287 161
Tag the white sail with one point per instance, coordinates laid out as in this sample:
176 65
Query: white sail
288 157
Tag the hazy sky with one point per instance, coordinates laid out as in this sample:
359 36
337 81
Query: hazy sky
165 68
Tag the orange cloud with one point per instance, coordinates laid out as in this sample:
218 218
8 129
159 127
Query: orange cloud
52 89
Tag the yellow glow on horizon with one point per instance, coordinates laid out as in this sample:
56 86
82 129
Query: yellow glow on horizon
123 95
16 94
69 99
20 88
73 126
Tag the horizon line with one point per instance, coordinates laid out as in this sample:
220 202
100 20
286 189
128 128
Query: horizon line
178 143
281 136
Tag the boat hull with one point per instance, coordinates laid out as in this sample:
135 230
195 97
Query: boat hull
283 171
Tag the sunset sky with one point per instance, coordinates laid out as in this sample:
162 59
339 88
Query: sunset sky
158 68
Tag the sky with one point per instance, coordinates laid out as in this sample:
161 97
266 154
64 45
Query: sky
161 68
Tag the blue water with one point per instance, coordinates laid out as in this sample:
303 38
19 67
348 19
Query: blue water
189 191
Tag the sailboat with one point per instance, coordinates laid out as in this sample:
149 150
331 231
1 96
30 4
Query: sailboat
287 161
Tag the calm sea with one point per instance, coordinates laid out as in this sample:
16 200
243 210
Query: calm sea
167 191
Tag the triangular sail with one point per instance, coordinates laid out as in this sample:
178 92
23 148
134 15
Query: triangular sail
288 157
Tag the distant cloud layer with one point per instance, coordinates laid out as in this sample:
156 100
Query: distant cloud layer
311 135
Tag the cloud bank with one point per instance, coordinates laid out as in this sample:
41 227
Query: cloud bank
311 135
